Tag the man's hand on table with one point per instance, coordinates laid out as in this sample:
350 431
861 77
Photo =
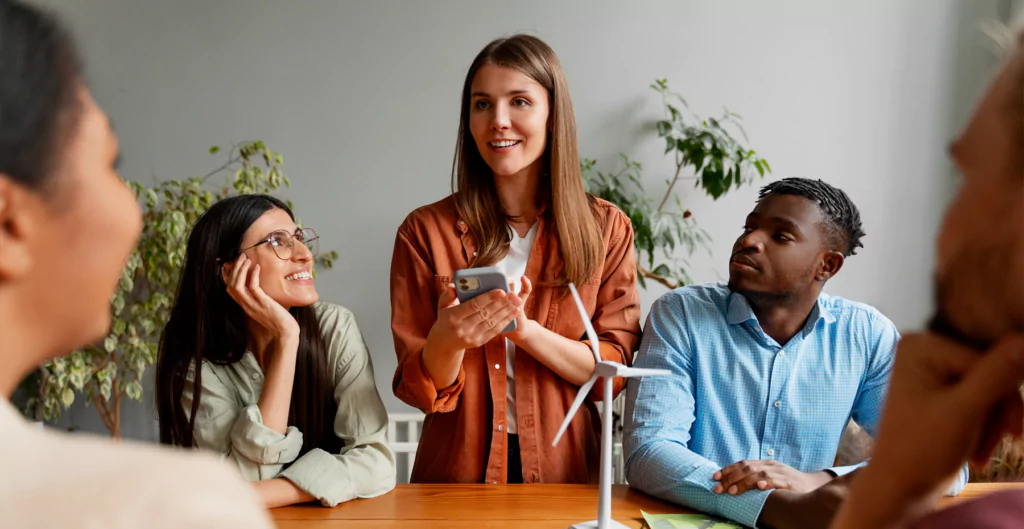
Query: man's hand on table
740 477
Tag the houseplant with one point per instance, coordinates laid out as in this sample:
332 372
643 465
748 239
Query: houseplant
703 151
112 368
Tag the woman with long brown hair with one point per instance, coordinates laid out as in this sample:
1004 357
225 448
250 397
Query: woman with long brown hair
494 400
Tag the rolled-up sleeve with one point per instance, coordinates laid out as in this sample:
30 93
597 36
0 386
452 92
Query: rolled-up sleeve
237 432
365 466
413 313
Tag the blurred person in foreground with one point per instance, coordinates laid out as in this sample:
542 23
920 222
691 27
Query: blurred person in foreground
68 223
956 389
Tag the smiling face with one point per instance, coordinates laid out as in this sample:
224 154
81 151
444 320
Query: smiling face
782 251
508 118
286 281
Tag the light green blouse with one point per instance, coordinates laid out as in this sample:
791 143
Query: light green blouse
228 421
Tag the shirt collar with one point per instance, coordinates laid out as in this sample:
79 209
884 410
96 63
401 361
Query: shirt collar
739 311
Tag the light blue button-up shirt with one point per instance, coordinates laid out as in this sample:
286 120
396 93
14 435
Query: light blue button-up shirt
735 393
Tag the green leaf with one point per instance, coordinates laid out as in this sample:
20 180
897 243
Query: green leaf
126 283
674 112
67 397
214 150
134 390
110 343
117 303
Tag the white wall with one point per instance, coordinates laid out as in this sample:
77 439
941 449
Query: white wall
362 100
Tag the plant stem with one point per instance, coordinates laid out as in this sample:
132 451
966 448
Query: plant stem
221 168
115 417
668 192
680 163
647 274
103 410
44 380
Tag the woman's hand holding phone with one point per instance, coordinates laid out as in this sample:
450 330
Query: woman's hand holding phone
471 324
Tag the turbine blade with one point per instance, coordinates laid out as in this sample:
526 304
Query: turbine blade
584 390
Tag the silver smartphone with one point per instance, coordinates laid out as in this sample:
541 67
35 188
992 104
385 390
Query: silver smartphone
471 282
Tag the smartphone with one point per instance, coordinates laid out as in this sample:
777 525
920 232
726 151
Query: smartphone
471 282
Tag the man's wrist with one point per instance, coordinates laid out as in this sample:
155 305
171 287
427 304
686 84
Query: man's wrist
825 476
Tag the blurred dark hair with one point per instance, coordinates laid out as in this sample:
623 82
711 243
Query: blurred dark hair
40 75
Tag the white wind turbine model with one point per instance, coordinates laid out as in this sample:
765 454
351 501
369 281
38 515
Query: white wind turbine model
608 370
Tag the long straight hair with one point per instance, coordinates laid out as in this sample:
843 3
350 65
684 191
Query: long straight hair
572 209
207 325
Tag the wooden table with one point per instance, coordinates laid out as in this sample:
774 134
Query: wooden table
497 507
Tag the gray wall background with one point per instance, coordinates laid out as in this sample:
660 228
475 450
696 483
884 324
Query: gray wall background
362 97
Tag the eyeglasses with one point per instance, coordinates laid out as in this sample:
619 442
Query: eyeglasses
283 243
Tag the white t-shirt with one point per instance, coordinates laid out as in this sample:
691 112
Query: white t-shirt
53 479
513 265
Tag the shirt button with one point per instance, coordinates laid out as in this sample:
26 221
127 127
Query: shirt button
771 452
497 366
255 376
500 427
474 254
782 353
777 404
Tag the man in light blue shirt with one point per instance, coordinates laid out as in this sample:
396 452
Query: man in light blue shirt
766 372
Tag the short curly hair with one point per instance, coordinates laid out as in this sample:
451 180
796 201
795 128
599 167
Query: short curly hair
842 225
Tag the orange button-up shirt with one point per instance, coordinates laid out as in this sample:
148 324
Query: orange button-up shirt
464 437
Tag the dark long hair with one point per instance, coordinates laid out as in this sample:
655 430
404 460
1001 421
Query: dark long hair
207 325
39 99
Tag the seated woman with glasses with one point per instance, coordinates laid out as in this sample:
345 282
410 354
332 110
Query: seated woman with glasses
253 367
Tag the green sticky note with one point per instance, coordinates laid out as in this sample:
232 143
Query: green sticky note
687 521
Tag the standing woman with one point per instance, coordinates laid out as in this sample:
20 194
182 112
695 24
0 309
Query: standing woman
495 401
